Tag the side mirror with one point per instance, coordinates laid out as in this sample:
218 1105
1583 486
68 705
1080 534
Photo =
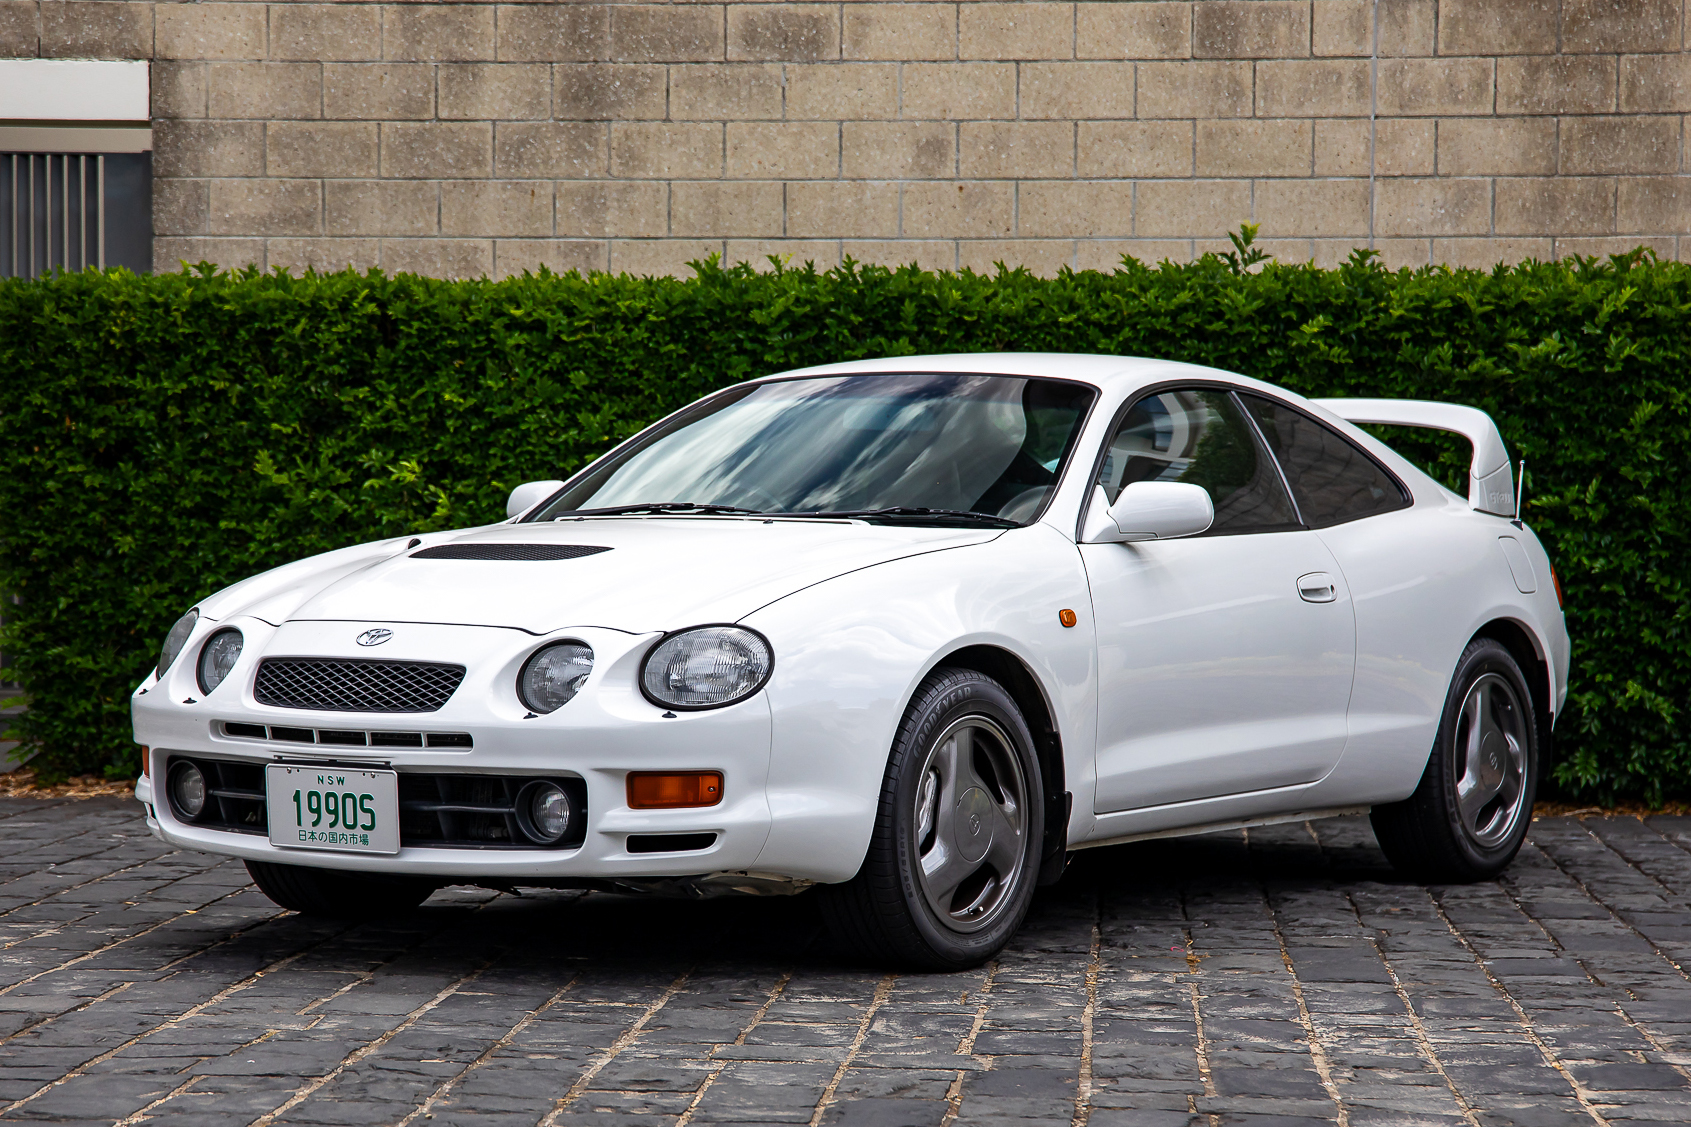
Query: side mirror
529 494
1149 510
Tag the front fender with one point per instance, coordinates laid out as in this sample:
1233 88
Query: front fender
851 652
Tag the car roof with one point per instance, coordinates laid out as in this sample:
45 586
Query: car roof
1108 373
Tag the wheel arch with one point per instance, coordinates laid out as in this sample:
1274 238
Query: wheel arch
1529 654
1025 689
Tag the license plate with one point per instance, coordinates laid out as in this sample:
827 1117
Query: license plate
332 808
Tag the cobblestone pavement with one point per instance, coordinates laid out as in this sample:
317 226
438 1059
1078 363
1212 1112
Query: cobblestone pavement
1276 978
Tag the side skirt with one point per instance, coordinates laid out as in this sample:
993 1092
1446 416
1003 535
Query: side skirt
1235 824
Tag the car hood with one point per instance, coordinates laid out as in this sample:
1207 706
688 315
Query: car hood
653 573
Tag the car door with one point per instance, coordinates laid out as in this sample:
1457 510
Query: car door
1392 556
1225 659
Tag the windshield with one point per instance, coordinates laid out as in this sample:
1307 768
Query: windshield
991 445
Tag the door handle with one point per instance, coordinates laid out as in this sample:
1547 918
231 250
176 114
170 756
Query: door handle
1317 587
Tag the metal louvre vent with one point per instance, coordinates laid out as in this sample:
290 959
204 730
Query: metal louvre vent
508 552
333 684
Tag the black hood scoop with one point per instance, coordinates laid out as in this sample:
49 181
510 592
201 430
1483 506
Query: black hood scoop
508 552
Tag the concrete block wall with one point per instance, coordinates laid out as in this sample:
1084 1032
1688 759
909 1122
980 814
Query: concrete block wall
461 139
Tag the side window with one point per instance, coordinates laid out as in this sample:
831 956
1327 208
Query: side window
1199 436
1332 479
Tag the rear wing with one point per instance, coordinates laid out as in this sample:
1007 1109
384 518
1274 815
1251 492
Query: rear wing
1490 485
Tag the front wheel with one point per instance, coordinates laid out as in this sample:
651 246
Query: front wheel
954 854
1470 813
338 895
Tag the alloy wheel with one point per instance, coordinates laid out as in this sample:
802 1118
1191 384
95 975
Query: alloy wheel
1491 745
971 824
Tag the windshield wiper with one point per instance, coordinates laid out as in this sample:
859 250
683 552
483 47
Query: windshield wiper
911 511
658 507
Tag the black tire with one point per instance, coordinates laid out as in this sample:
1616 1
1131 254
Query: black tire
934 806
337 895
1488 736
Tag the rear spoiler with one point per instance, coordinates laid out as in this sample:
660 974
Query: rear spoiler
1490 485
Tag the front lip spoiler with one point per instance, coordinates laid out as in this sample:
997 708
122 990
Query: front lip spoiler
710 886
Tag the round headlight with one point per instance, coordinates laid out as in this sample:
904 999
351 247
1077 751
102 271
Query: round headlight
176 639
187 789
545 811
218 657
554 675
706 667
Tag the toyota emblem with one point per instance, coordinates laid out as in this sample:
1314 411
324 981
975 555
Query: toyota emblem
374 637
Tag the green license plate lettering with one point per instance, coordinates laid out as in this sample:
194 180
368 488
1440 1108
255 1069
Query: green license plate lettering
333 810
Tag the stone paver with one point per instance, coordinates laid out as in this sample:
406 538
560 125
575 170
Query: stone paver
1278 977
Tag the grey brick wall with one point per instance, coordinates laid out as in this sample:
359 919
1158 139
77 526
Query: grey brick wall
482 138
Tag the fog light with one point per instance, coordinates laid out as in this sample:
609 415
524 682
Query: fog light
545 813
657 790
187 790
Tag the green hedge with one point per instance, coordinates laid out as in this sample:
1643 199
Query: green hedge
164 436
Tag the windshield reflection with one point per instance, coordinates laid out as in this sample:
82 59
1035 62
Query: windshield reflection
975 443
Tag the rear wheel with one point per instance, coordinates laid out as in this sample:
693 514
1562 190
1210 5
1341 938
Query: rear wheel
955 851
337 895
1470 813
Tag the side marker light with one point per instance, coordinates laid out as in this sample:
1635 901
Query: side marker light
1066 617
661 790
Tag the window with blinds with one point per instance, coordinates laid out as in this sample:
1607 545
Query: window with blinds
67 211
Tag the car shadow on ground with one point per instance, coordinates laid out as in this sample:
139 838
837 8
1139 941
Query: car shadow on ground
1150 878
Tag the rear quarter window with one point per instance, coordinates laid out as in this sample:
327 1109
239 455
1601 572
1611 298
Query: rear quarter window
1332 479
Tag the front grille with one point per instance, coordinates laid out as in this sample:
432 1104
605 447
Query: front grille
508 552
332 684
443 811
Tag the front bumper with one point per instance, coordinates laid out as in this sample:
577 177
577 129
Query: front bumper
608 730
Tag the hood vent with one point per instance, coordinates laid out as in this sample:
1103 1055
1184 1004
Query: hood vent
508 552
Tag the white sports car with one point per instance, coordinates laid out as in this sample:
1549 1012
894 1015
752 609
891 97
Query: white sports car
910 630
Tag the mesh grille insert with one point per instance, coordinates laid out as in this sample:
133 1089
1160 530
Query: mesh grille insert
349 685
508 552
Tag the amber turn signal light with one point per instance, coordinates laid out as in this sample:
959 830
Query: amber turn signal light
1066 617
659 790
146 754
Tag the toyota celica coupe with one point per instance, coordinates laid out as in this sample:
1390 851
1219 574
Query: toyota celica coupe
907 631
